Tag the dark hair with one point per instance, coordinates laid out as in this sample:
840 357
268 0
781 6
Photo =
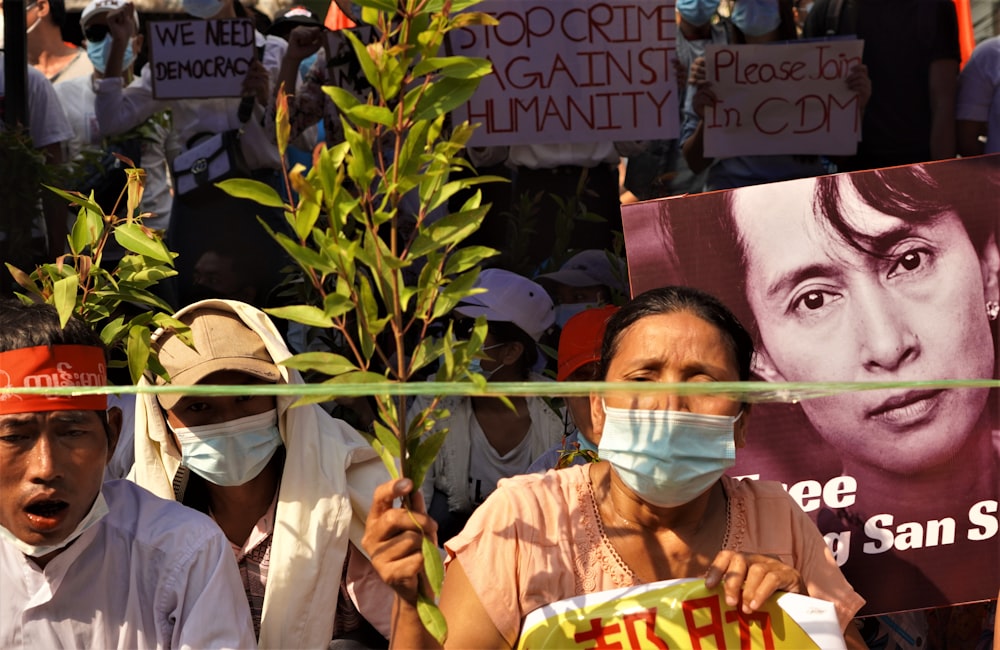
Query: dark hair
708 250
28 326
57 11
670 300
505 332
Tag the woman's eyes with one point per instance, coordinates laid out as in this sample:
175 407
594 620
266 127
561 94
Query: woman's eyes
813 300
909 261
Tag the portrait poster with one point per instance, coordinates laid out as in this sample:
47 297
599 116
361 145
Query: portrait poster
200 58
681 614
782 98
572 71
877 276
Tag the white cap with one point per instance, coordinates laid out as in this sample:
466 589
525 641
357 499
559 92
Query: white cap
511 298
591 267
97 7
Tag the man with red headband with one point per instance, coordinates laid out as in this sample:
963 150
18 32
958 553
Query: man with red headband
84 564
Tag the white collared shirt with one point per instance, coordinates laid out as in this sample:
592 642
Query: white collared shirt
151 574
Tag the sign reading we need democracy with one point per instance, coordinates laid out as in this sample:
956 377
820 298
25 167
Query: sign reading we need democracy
200 58
786 98
573 71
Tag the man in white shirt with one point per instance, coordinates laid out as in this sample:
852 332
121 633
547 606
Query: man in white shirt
85 565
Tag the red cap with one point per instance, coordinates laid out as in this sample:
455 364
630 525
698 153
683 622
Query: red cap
580 340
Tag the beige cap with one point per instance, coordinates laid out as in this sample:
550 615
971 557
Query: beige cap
221 342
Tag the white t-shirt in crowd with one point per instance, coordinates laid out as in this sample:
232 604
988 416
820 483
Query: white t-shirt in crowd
487 466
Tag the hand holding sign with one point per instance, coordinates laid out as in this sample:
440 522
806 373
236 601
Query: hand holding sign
752 578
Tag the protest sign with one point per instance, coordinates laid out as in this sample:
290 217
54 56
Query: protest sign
572 71
200 58
884 275
681 614
782 98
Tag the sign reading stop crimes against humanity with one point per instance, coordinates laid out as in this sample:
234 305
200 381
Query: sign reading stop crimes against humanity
200 58
786 98
573 71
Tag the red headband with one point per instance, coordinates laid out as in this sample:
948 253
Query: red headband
55 366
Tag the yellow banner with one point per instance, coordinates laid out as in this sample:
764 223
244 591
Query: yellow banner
680 614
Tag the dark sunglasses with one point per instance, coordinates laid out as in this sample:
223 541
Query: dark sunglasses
96 33
462 327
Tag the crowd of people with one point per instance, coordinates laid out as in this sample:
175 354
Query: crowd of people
118 517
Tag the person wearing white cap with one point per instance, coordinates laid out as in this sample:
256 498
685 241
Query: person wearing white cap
487 440
145 145
289 487
589 279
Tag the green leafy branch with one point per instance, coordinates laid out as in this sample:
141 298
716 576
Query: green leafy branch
118 303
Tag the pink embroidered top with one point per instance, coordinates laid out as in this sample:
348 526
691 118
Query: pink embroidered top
539 539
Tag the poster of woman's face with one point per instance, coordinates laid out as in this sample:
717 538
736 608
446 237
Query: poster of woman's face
889 276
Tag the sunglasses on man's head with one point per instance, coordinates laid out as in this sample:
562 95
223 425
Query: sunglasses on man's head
95 33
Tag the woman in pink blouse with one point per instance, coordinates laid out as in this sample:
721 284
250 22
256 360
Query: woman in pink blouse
656 508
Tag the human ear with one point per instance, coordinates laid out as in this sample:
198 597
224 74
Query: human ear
764 367
597 415
511 353
114 430
741 426
989 262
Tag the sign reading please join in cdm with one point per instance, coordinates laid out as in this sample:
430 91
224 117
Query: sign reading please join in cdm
200 58
573 71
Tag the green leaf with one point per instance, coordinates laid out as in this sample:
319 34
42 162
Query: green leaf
451 295
64 297
423 456
361 163
462 67
131 237
367 114
431 617
79 237
305 314
77 198
305 218
137 348
343 99
387 459
464 259
444 96
113 331
433 566
245 188
327 363
388 440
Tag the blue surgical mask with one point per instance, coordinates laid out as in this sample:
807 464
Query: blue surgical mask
668 458
476 365
94 515
203 8
567 311
756 17
99 51
230 453
697 12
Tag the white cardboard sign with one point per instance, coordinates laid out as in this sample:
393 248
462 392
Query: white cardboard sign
200 58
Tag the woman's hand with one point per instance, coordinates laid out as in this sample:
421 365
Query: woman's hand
257 83
393 538
752 578
859 81
121 23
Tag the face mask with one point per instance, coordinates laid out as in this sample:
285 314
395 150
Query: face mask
697 12
98 54
33 25
96 513
230 453
756 17
667 457
203 8
476 365
569 310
